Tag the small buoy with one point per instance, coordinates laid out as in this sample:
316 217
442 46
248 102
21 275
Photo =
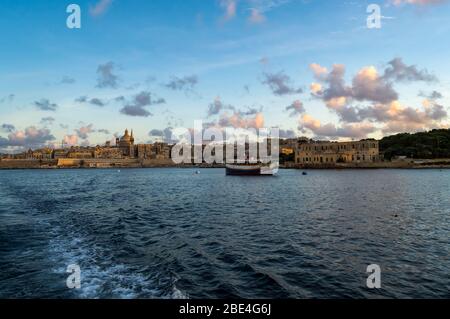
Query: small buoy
197 172
304 173
118 171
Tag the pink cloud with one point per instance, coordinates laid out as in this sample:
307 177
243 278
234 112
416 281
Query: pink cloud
71 140
417 2
100 8
230 9
256 16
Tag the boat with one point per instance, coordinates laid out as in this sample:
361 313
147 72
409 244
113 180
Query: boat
252 169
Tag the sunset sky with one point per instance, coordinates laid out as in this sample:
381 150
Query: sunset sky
310 67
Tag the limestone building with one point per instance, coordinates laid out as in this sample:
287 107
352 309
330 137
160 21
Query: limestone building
322 153
126 144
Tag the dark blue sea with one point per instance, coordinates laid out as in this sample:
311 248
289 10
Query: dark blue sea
170 233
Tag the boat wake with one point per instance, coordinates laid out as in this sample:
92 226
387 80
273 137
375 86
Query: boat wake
101 277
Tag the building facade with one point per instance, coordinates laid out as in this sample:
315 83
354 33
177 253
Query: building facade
124 149
126 144
323 153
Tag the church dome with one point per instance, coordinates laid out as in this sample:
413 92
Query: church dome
126 137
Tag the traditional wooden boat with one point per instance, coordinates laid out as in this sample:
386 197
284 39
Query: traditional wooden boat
252 169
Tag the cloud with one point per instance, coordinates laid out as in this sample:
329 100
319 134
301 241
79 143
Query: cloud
46 105
330 131
81 99
70 140
104 131
97 102
47 120
336 84
31 137
237 120
369 86
136 107
145 98
119 98
384 113
186 83
165 135
280 84
106 77
217 107
417 2
287 133
133 110
100 8
230 116
249 111
67 80
319 71
156 132
258 8
7 128
256 17
9 98
94 101
84 131
229 7
397 70
296 107
316 89
395 115
264 60
434 95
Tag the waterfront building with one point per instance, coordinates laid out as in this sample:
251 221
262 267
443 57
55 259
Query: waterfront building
126 144
40 154
108 152
80 152
322 153
124 149
161 151
144 151
60 153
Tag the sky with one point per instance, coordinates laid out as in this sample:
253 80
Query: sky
310 67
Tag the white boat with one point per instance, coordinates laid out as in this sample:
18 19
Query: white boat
252 169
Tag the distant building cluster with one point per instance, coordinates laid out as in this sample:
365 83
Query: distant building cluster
309 152
300 152
123 149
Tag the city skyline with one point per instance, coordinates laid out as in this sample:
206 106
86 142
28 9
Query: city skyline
312 68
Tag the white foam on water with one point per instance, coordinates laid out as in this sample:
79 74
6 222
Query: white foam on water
101 278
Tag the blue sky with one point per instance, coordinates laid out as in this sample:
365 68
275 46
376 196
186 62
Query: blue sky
155 65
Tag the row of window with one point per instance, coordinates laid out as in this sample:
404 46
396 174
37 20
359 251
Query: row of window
337 146
322 159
